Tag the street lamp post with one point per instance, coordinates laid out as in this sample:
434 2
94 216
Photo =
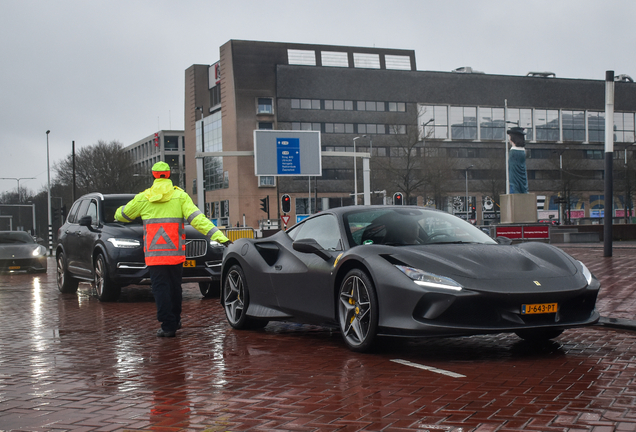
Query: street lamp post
18 180
466 170
48 177
355 171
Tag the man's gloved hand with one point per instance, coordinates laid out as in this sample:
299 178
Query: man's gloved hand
227 243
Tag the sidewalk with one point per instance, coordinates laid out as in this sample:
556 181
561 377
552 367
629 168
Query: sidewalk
617 298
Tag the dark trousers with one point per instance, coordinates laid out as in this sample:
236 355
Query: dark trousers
166 287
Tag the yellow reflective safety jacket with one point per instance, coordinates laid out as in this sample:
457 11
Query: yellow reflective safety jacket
163 208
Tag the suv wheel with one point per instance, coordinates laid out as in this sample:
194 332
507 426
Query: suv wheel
65 282
105 288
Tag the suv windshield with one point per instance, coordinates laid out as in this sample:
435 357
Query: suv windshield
110 207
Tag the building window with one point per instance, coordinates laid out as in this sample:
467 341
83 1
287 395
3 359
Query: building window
306 126
436 119
624 127
338 127
464 123
397 106
171 143
546 123
334 58
302 207
301 57
266 125
521 118
539 154
215 95
593 154
491 124
366 61
573 124
397 62
596 126
265 106
266 181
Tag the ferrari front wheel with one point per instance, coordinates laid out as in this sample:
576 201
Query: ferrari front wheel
236 299
358 311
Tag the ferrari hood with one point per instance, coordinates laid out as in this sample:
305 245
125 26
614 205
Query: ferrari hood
17 251
492 262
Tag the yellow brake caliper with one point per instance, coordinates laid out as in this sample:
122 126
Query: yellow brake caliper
352 302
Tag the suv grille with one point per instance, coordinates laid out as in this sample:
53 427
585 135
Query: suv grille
196 248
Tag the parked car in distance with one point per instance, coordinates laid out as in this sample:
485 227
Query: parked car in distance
19 252
94 247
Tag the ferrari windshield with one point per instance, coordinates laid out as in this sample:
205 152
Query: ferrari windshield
410 226
15 237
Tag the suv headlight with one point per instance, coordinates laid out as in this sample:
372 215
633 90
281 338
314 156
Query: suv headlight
427 279
214 243
124 243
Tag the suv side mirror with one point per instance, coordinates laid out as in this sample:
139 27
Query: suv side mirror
503 240
86 221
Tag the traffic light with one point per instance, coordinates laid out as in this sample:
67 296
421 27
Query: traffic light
265 205
62 213
285 203
398 198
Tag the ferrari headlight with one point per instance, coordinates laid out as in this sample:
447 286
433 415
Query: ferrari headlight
124 243
38 251
586 273
427 279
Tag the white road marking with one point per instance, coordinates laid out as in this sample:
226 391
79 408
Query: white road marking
429 368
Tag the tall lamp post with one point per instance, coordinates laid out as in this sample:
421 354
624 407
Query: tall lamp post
355 171
466 170
48 177
18 180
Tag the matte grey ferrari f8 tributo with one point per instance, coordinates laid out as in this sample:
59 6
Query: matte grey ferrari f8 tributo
404 271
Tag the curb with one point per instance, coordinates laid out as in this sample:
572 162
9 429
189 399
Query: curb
617 323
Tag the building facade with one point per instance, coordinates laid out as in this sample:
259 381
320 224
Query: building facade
164 145
436 137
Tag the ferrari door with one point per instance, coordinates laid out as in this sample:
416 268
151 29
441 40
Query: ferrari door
303 281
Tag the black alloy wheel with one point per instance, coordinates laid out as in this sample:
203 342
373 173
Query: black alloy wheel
65 282
236 300
105 288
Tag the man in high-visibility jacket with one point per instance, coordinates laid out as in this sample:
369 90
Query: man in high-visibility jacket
163 208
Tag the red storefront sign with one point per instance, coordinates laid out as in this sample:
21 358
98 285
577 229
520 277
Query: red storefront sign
536 232
512 232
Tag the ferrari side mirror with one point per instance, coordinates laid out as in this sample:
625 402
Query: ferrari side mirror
503 240
310 246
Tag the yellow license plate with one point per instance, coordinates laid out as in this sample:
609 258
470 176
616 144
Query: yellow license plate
539 308
190 263
14 267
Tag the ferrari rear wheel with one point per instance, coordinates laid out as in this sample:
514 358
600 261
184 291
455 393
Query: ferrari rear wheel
538 335
358 311
236 300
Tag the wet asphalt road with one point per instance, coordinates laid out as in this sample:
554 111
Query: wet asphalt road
69 362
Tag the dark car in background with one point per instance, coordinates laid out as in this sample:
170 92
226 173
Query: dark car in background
94 247
19 252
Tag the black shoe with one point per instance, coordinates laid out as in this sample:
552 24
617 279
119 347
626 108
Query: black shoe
164 333
179 325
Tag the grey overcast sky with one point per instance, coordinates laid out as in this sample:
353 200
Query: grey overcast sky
90 70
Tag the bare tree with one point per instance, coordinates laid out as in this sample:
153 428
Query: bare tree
103 167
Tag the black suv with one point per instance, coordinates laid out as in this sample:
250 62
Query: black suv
93 246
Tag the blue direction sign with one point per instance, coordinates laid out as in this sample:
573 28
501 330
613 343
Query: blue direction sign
288 155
